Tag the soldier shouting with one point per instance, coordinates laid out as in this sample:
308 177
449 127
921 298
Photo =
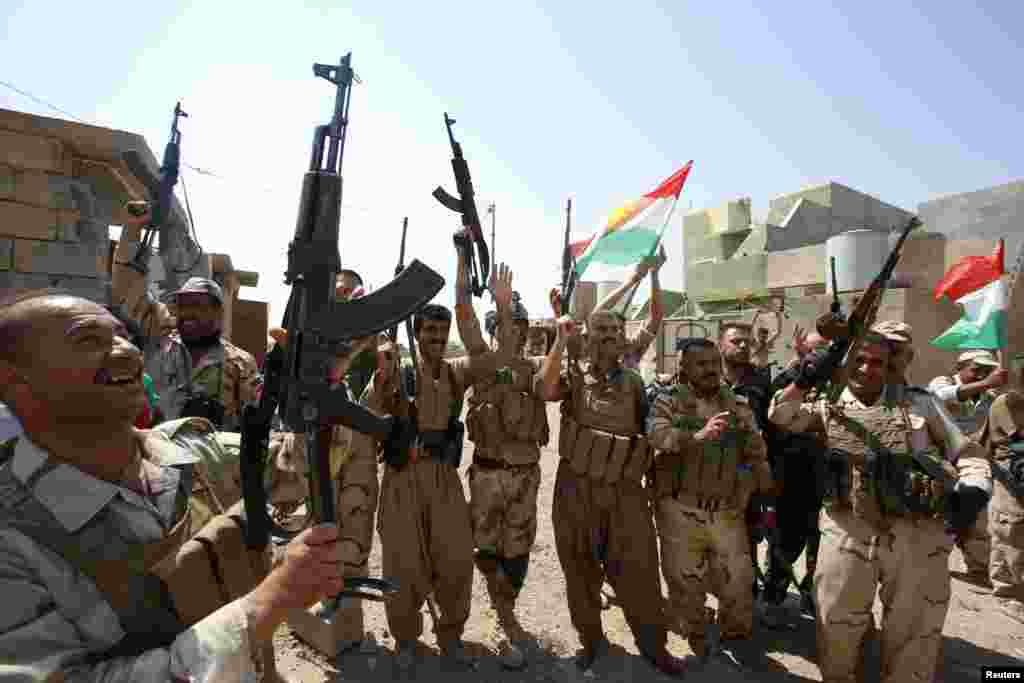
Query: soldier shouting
601 514
424 520
888 482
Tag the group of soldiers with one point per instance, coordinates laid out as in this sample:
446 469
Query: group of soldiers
121 552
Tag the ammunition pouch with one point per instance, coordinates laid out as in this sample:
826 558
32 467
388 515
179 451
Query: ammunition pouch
445 445
708 475
1010 473
834 477
199 405
903 488
603 456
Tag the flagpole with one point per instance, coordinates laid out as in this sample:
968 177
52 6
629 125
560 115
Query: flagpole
1009 293
654 249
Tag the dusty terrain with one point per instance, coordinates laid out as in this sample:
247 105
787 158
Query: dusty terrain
974 635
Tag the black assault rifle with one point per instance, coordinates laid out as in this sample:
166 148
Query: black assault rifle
319 328
169 171
476 268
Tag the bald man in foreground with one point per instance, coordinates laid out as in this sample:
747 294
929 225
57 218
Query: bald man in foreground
100 576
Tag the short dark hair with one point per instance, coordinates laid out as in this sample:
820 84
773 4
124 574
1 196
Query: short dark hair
434 312
727 325
694 344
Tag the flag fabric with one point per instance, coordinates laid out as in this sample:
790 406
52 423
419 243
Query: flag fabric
971 273
975 282
632 231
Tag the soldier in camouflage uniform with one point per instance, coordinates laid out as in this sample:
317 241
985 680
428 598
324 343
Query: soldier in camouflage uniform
424 521
1003 437
353 466
711 459
601 514
196 372
968 395
507 423
888 478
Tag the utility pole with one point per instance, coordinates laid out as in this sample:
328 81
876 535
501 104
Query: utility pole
494 250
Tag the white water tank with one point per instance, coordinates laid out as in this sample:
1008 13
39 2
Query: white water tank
859 256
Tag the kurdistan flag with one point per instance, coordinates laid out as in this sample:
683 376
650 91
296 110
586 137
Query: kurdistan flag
975 282
632 231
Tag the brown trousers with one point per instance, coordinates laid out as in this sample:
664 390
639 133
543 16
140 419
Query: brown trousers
705 552
426 497
911 563
607 531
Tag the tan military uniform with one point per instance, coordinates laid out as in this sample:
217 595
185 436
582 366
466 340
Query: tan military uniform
225 371
424 520
969 416
874 533
1006 514
701 492
116 573
354 473
601 513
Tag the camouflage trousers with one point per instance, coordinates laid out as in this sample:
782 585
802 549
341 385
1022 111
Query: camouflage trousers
700 552
911 563
976 546
427 547
503 509
605 530
1006 526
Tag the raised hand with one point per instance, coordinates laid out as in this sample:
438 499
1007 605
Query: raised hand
567 328
501 286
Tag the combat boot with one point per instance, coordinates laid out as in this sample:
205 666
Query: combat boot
405 655
509 633
456 658
591 652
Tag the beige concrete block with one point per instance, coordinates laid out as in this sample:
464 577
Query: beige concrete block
33 152
34 222
730 216
60 258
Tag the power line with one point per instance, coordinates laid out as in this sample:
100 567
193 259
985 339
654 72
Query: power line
196 169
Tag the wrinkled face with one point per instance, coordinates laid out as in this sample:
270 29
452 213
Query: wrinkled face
899 360
974 372
606 339
536 341
78 366
735 346
520 328
432 338
815 342
199 316
762 334
703 368
346 285
869 370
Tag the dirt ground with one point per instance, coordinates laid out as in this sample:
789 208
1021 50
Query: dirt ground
975 635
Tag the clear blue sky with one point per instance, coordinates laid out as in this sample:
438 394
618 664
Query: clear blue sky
906 101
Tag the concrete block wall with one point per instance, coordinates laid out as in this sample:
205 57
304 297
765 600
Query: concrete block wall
48 226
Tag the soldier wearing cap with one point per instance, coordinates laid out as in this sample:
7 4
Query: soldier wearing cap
895 494
508 425
968 395
196 372
1002 436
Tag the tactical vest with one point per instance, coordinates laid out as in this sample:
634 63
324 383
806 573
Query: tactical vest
601 433
709 474
870 469
159 589
506 422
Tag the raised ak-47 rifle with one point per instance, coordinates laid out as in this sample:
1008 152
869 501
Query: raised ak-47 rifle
319 327
849 333
465 204
161 209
